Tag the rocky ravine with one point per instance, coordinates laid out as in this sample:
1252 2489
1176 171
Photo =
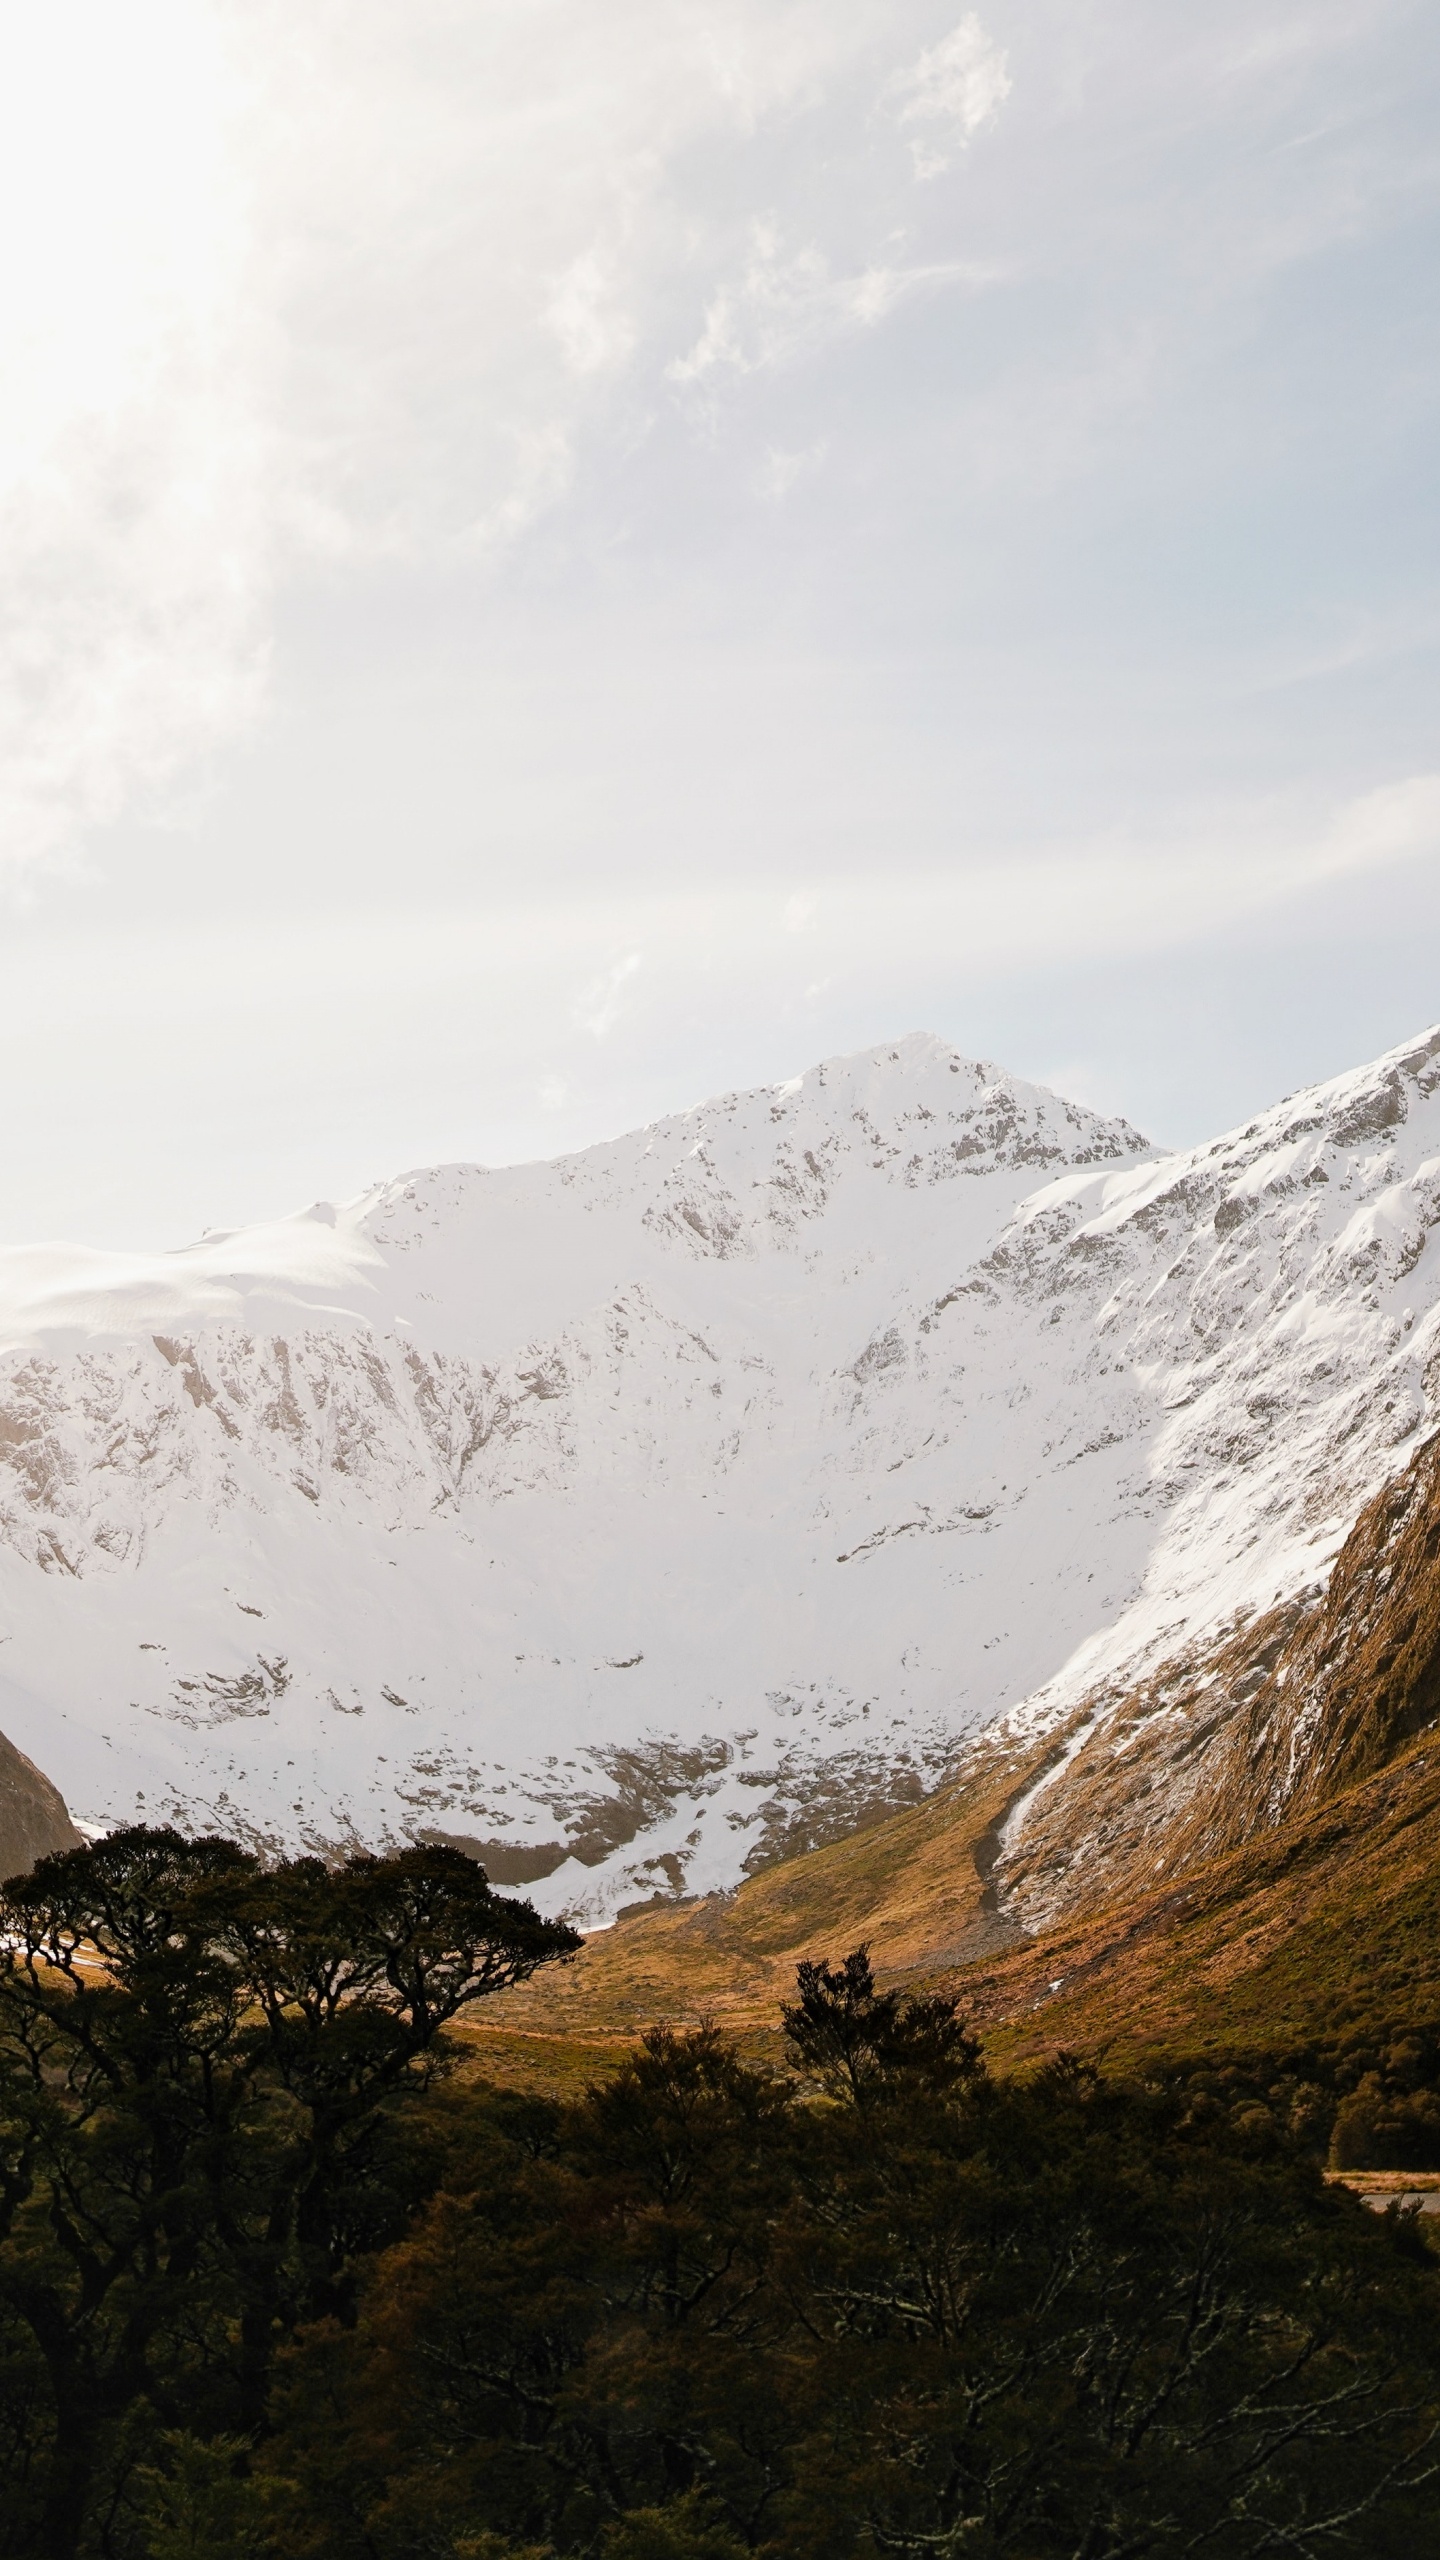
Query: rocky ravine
649 1514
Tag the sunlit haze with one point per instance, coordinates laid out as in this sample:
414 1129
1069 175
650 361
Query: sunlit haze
560 558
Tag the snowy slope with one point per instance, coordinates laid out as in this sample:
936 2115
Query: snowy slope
654 1510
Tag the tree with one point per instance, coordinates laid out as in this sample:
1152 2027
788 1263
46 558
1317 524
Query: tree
854 2039
941 2313
575 2332
196 2055
1052 2324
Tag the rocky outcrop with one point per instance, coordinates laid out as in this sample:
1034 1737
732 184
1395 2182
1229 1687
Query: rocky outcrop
1360 1676
650 1515
33 1819
1218 1747
1245 1844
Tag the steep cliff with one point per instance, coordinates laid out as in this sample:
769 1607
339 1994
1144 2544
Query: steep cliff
1218 1747
33 1819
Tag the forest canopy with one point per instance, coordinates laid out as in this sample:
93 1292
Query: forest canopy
280 2274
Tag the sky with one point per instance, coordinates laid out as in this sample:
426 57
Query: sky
560 556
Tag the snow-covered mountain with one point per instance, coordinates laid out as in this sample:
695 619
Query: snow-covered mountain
648 1513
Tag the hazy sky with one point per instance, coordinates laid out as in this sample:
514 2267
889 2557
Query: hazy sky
559 555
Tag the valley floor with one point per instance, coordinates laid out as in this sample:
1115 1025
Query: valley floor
1325 1929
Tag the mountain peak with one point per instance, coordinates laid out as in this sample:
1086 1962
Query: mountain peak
645 1514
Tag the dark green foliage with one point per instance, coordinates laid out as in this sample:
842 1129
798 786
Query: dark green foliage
681 2531
1366 2096
256 2300
697 2314
205 2069
204 2503
856 2041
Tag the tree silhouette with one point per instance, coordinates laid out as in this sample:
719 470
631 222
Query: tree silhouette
197 2054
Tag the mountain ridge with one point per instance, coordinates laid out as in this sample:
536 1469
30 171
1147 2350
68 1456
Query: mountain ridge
647 1516
1277 1920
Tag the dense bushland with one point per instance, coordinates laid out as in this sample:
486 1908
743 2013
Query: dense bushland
209 2076
310 2297
1365 2095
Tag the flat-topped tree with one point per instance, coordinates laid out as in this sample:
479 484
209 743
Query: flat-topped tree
199 2060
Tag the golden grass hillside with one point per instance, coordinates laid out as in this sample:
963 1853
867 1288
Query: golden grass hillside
1241 1922
1333 1914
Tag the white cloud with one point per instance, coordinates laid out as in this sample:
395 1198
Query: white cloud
540 473
587 317
784 304
135 448
773 302
779 471
600 1007
1391 824
287 282
954 89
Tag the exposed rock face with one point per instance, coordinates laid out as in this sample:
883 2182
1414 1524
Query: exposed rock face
643 1517
33 1819
1201 1848
507 1506
1360 1676
1220 1746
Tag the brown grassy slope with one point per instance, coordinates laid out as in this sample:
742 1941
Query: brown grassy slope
916 1886
1333 1916
1281 1713
1299 1845
33 1819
